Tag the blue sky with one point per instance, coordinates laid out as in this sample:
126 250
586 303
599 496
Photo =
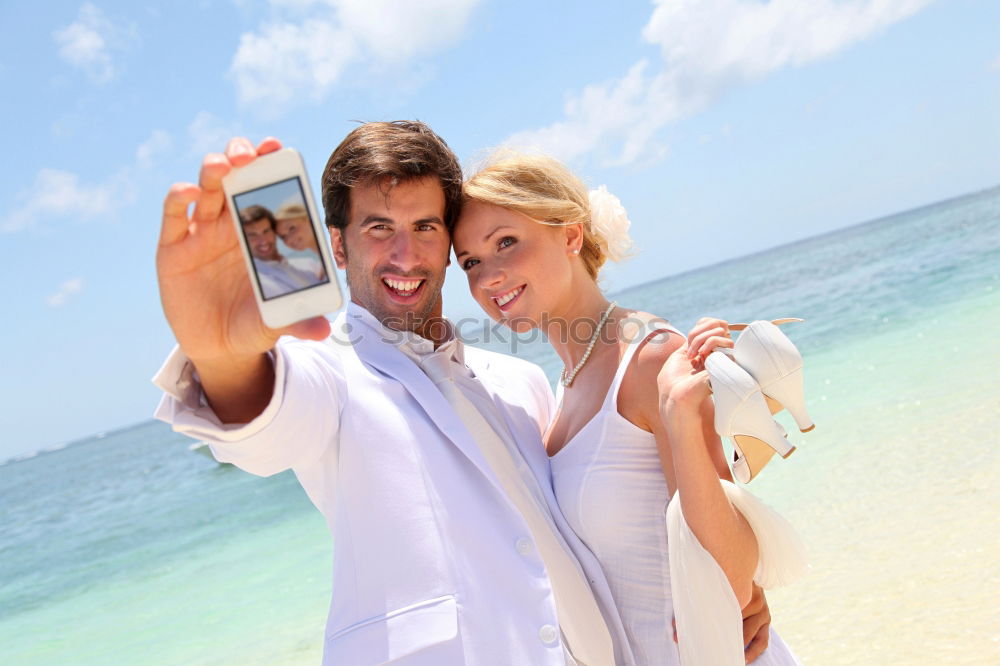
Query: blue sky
725 126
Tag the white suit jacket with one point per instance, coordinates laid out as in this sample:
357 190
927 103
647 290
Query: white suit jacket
432 564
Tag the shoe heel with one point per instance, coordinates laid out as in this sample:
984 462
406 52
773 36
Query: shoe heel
742 414
752 456
773 404
775 363
772 436
788 392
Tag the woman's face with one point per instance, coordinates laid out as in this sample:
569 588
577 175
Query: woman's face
518 269
296 233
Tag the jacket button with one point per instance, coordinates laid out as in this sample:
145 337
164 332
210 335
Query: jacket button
548 634
523 545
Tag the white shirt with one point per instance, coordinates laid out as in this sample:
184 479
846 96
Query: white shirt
416 348
286 275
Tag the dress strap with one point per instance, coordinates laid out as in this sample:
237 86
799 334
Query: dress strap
645 331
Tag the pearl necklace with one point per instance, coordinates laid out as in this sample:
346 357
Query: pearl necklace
567 379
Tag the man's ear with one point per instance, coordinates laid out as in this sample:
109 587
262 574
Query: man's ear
339 249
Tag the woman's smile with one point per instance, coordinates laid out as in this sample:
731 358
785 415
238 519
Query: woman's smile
505 300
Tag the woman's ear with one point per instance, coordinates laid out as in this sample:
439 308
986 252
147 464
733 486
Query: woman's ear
574 237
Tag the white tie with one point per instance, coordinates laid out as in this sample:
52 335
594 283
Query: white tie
580 619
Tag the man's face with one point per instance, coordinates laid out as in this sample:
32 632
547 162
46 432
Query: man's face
395 251
261 239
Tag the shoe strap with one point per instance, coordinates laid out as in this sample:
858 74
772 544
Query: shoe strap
776 322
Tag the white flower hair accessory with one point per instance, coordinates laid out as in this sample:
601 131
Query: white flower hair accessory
610 223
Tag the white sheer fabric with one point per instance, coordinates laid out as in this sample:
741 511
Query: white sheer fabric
610 486
709 619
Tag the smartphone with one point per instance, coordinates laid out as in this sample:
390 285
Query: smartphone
284 243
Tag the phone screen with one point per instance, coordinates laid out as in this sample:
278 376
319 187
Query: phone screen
281 238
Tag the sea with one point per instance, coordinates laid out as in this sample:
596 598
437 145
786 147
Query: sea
131 548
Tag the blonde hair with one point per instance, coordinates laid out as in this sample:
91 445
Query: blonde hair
290 211
543 189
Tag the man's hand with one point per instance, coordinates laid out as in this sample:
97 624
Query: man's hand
206 292
756 625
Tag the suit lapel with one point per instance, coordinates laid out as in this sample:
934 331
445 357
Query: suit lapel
521 426
391 362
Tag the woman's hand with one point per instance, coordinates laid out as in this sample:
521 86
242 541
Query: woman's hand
682 386
682 382
707 335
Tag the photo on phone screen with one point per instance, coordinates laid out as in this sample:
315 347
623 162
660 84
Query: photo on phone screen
281 238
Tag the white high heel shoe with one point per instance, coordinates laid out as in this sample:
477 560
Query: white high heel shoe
774 362
742 414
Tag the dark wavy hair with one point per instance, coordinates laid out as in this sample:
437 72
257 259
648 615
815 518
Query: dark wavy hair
251 214
389 153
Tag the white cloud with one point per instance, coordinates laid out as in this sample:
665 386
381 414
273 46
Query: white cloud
995 64
396 31
59 194
158 143
629 111
285 62
66 290
707 47
209 134
754 38
87 43
296 5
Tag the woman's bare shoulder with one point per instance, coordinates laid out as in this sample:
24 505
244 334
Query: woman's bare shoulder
639 385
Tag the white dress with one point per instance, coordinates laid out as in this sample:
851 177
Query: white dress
610 485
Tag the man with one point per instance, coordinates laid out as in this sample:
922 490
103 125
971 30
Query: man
277 274
434 562
448 545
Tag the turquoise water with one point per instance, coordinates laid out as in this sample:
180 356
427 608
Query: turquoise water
129 548
132 549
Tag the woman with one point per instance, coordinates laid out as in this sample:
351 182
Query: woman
634 422
292 226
